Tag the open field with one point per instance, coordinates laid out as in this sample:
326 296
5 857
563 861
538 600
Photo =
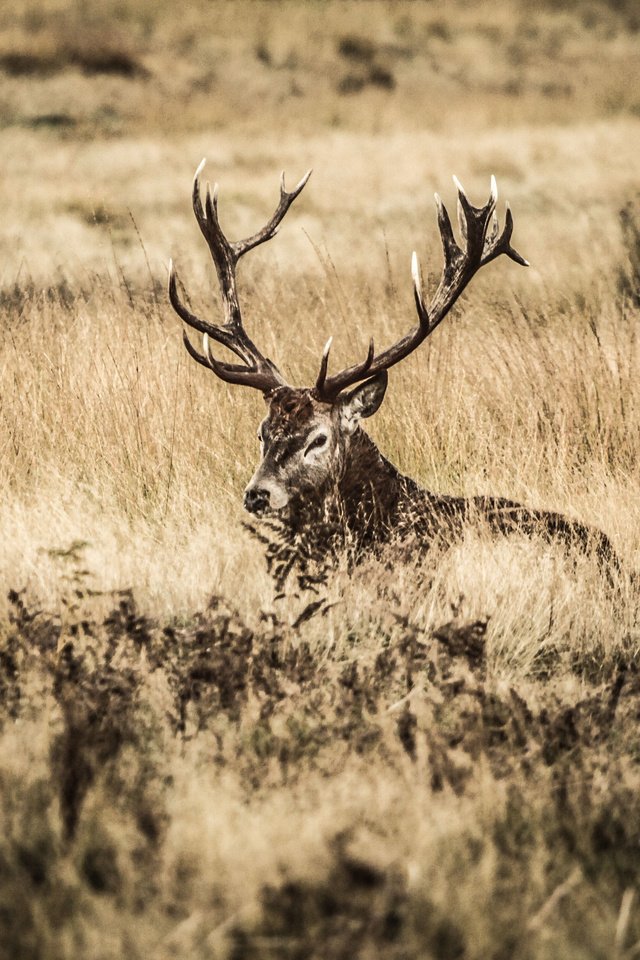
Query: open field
443 763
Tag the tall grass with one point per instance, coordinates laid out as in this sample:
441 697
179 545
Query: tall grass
433 757
111 431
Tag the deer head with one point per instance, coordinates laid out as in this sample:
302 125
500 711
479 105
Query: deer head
305 441
308 432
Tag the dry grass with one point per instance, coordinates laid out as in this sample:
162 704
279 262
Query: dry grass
445 762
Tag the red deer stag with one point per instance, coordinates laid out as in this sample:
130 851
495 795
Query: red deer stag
319 470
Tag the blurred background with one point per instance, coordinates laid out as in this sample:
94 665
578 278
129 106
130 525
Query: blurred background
107 107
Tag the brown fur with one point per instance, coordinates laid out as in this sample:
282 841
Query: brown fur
290 407
365 503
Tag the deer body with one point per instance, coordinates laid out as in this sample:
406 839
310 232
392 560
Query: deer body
320 474
353 497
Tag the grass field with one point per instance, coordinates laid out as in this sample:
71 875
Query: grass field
443 763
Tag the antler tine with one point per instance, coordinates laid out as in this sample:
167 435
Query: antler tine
482 243
196 199
416 274
216 333
324 389
450 248
495 245
262 378
271 228
229 372
474 221
258 371
191 350
324 363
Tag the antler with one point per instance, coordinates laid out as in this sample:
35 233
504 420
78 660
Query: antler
255 370
481 243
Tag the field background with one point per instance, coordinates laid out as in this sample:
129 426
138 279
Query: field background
439 763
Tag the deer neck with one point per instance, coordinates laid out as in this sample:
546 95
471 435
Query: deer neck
370 491
362 506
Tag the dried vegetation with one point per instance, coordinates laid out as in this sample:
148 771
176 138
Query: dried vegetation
232 789
434 759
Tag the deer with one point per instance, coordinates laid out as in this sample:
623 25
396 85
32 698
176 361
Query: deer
320 475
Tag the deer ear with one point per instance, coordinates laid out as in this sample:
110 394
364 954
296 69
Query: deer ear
363 401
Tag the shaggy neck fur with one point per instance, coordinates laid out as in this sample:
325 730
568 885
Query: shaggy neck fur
371 504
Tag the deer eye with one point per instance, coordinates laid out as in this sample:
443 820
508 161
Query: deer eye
315 444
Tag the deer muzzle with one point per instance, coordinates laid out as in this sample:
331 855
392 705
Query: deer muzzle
264 494
256 500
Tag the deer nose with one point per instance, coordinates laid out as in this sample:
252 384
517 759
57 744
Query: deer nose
256 499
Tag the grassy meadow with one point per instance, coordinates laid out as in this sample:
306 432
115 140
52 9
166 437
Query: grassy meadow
439 759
